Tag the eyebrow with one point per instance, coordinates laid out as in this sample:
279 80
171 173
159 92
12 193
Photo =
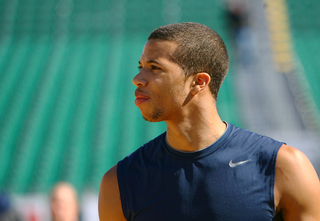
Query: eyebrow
151 61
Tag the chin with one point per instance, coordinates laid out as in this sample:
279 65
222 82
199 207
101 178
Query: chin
155 116
151 119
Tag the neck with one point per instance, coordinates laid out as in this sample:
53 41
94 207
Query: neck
196 130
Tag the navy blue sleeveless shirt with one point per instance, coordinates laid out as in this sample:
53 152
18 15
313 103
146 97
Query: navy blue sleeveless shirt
233 179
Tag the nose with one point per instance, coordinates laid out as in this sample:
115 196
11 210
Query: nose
139 80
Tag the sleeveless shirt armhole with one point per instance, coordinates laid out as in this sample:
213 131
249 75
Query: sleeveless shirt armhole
121 188
272 180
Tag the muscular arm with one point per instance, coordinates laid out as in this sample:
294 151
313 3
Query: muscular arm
297 186
109 197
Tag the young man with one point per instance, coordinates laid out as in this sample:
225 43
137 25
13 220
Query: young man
202 168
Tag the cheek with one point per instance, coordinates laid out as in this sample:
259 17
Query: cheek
178 96
179 90
171 91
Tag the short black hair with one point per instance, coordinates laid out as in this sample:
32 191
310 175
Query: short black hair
200 49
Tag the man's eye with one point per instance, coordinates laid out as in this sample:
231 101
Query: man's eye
154 67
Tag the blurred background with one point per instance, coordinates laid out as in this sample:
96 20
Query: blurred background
67 108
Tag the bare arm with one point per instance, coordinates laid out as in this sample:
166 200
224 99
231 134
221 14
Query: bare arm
297 186
110 208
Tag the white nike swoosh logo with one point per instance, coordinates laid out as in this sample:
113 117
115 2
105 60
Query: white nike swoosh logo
231 164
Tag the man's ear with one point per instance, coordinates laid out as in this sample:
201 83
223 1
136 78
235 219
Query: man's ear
200 82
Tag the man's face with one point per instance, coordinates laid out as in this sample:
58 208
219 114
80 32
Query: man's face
161 85
64 205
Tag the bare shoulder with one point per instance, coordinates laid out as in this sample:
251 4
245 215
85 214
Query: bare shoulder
297 186
109 197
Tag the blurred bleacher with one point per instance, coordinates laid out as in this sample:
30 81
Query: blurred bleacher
305 26
66 98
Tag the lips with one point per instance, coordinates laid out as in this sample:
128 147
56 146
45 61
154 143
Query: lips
140 98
